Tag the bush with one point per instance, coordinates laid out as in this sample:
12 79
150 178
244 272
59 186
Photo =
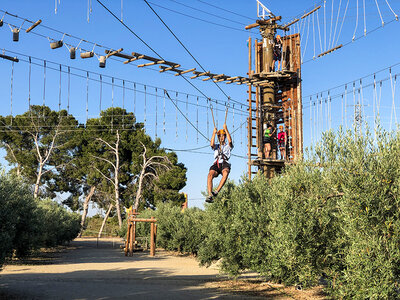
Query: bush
27 224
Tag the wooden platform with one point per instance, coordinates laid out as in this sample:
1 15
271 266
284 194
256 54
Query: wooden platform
268 162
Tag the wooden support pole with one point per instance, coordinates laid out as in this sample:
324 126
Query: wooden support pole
152 239
127 239
184 72
131 240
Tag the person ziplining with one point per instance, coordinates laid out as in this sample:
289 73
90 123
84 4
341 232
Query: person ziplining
222 153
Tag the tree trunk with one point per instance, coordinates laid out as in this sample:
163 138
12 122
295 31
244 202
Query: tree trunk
139 190
105 220
116 185
38 177
85 208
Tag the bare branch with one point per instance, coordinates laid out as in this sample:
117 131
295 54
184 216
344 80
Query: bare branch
103 141
104 176
106 160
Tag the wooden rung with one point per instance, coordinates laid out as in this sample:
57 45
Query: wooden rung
147 64
198 74
184 72
232 78
253 127
253 136
163 68
253 92
114 52
132 59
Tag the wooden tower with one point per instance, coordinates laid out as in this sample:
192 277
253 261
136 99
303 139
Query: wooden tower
274 97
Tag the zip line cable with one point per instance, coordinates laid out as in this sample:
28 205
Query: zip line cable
208 13
200 19
154 51
223 9
187 50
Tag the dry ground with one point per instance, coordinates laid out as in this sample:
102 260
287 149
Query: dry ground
91 270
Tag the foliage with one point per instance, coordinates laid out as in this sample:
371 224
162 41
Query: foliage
27 223
334 216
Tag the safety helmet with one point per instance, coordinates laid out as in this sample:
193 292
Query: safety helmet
221 132
280 127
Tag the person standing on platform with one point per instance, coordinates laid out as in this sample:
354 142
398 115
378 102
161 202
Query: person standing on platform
268 139
277 51
282 140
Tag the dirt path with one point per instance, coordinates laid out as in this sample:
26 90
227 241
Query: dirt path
88 270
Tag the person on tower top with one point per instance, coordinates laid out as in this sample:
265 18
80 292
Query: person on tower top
278 51
222 153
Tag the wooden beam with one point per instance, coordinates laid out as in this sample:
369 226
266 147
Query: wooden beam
33 25
14 59
114 52
251 26
131 59
144 220
291 23
330 50
184 72
310 12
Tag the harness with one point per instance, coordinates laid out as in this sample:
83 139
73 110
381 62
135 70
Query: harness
220 156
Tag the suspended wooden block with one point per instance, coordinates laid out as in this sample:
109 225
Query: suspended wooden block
72 53
57 44
1 22
102 62
33 26
87 54
15 32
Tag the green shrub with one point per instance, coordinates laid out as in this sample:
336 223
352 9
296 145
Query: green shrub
27 224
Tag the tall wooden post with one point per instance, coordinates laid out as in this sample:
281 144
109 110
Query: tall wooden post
152 238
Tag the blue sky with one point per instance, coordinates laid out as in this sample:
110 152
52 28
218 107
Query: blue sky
219 48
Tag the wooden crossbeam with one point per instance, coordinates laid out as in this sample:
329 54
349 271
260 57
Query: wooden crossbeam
34 25
132 59
330 50
184 72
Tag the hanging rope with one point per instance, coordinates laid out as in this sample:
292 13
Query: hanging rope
233 119
208 123
69 88
319 32
355 29
325 25
112 103
187 100
341 26
11 89
59 91
197 120
313 26
337 21
145 103
87 96
345 105
164 113
134 99
29 87
393 89
101 93
44 81
395 15
176 114
186 117
155 129
330 31
365 21
123 94
379 11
